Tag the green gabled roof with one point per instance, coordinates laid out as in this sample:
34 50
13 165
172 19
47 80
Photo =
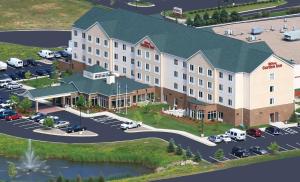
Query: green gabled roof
56 90
89 86
223 52
95 69
196 101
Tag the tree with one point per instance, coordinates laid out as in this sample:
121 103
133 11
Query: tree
27 74
216 16
234 16
198 21
197 157
14 100
12 170
189 21
146 109
80 103
25 105
101 179
274 148
48 122
293 118
206 17
60 179
219 154
224 16
171 146
188 153
157 117
179 150
90 179
78 178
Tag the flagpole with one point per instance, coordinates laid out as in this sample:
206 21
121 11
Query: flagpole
126 99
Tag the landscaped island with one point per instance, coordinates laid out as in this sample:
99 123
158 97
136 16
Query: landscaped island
141 4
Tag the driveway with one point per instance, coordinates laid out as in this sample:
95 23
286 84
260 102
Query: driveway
46 39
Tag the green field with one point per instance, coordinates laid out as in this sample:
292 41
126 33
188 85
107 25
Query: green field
149 117
8 50
40 82
41 14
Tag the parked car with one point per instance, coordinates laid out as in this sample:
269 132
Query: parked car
3 66
258 150
49 71
40 72
31 62
5 112
57 54
39 117
240 152
36 115
68 50
13 76
255 132
25 63
14 85
13 116
5 104
5 82
225 138
21 74
61 124
75 128
46 54
130 125
215 139
237 134
273 130
55 118
15 62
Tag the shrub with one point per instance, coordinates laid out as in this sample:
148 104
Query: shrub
171 146
219 154
27 75
48 122
188 153
197 157
179 150
274 148
293 118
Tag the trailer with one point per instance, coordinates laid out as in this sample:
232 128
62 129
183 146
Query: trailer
256 30
3 66
292 35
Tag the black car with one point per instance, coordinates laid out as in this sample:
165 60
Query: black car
30 61
62 54
75 128
40 72
49 71
13 76
39 117
240 152
25 63
273 130
21 74
258 150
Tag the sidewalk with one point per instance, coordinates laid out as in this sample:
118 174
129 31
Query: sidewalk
202 140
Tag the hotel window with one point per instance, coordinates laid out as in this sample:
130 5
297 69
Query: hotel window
156 57
175 86
191 67
124 70
147 67
116 56
175 74
220 75
175 62
271 88
200 94
98 40
132 49
116 44
124 47
220 87
89 60
156 69
89 49
184 76
83 35
147 78
209 85
116 68
139 52
200 70
209 72
132 73
191 91
191 79
132 61
75 55
106 43
272 76
83 58
139 76
105 65
83 46
229 102
220 115
147 55
184 88
89 38
75 32
98 62
98 52
184 64
272 101
106 54
221 99
75 44
124 58
138 64
209 97
230 77
229 90
156 81
201 82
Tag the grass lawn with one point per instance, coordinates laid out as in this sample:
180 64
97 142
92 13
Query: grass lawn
8 50
153 117
40 82
150 152
240 8
41 14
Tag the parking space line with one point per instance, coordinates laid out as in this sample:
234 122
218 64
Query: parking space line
112 122
251 137
21 122
226 159
291 146
214 159
233 156
115 125
269 134
27 124
298 143
283 148
14 121
263 136
36 126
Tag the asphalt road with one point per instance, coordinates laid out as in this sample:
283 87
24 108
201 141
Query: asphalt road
45 39
275 171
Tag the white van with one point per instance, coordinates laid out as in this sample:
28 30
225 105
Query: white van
15 62
46 54
68 50
3 66
236 134
5 81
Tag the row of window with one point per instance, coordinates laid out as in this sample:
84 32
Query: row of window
148 67
147 79
147 55
90 39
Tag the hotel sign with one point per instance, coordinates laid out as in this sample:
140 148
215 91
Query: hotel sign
147 44
272 65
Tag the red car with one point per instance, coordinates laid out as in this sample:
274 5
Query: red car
13 116
255 132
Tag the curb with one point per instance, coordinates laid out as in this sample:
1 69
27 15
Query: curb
65 135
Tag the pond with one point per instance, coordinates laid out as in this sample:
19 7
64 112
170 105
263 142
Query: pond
70 170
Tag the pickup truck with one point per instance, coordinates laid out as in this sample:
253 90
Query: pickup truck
130 124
